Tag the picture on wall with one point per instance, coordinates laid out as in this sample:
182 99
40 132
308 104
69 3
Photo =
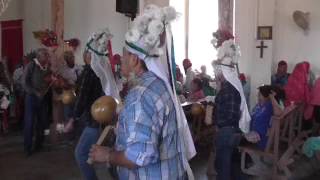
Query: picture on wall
264 33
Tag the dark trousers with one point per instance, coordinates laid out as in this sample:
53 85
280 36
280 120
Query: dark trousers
36 113
88 138
226 163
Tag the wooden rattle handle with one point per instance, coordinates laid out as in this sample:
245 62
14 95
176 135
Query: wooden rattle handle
101 139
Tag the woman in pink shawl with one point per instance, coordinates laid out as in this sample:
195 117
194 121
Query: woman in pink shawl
298 90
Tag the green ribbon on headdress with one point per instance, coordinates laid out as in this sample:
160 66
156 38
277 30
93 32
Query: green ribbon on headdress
93 50
139 49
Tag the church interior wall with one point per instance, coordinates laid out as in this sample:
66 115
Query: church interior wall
13 12
292 44
289 42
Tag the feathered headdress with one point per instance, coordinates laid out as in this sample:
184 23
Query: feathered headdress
150 38
228 50
226 64
99 44
146 35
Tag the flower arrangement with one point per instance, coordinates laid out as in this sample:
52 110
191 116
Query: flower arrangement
228 50
47 37
148 28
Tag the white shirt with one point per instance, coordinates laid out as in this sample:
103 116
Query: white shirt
71 74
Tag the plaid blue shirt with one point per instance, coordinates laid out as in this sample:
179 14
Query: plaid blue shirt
228 101
147 132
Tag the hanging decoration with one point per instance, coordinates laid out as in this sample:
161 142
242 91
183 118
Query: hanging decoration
47 38
302 19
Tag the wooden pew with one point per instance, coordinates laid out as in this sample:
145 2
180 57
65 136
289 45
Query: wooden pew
292 127
271 155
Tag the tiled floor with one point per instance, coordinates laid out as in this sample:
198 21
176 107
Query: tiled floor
57 163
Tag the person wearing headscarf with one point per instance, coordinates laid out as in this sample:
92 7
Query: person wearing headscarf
231 115
281 77
298 89
96 81
190 75
153 139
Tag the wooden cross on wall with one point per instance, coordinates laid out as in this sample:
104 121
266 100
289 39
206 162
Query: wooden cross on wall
261 47
57 19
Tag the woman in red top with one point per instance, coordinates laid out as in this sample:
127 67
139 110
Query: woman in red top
298 89
196 90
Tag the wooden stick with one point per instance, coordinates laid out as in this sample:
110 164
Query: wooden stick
101 139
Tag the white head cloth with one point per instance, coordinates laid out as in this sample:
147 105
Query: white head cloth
100 64
159 66
228 54
232 76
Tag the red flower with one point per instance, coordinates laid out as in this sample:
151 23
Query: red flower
47 38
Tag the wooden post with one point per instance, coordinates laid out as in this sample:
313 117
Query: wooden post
57 20
186 11
57 17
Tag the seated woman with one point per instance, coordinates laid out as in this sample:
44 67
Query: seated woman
207 89
267 106
298 87
196 90
180 92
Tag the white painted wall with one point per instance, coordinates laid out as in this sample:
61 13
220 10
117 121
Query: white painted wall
248 15
83 17
290 42
13 12
160 3
37 16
